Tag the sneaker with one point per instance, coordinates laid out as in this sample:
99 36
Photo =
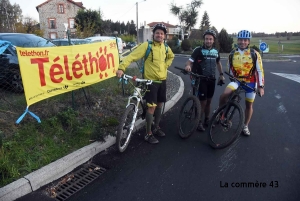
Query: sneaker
200 127
157 131
151 139
246 130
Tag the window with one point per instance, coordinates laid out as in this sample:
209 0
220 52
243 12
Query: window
53 35
52 23
61 8
71 23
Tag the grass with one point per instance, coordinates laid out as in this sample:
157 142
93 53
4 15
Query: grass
291 46
29 146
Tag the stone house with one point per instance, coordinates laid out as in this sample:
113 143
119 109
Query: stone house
54 15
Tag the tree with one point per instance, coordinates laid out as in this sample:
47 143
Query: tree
88 23
205 23
132 28
225 41
9 16
29 25
187 17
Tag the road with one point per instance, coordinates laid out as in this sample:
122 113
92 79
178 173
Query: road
177 169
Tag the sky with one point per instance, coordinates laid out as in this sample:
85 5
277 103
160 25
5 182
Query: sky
267 16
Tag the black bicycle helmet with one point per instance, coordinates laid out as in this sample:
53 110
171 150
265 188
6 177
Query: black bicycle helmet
210 32
160 26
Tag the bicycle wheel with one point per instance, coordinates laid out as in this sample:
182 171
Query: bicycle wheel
189 117
226 125
124 129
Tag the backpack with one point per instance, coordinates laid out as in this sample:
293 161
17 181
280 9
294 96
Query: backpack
149 49
253 56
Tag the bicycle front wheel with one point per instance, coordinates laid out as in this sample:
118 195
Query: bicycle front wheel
189 117
226 125
125 128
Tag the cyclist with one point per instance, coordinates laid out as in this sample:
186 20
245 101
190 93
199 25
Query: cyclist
242 66
204 61
155 69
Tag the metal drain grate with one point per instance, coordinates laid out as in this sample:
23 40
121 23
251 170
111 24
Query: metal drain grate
81 178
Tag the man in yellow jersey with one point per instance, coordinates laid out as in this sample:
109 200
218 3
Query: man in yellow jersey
155 69
242 66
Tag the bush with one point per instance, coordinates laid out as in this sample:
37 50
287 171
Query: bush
254 47
186 45
196 43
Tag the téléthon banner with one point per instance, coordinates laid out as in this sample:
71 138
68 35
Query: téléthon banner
51 71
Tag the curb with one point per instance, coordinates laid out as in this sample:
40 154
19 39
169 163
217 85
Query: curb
68 163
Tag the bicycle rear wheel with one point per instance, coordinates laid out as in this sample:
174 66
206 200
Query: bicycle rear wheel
124 132
226 125
189 117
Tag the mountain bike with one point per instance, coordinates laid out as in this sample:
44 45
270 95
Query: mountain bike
227 121
136 108
189 115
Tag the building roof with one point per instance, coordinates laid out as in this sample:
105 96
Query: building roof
166 24
79 4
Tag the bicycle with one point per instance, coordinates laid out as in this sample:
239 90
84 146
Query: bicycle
136 108
189 115
228 118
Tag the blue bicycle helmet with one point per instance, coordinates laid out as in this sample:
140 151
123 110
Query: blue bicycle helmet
244 34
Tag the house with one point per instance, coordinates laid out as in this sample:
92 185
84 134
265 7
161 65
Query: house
54 15
172 30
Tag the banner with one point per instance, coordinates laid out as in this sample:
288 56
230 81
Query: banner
50 71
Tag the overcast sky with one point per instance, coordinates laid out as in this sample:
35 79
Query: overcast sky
266 16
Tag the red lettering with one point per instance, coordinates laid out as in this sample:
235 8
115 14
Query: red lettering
75 69
40 62
92 60
53 73
68 76
84 61
110 56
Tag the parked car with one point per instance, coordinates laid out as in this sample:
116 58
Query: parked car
130 45
95 39
61 42
10 76
73 41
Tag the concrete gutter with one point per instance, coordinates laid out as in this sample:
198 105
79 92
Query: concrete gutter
65 165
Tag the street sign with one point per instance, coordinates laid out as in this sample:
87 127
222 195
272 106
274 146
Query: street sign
263 46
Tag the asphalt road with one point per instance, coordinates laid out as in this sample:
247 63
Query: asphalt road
177 169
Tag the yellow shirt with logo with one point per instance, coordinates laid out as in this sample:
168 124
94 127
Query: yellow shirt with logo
157 62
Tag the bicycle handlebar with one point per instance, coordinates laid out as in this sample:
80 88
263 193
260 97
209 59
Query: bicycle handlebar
191 73
243 83
134 78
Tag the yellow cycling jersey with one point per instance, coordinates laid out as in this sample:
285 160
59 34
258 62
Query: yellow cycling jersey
156 64
242 65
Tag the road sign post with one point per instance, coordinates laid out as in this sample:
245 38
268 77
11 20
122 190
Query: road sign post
262 47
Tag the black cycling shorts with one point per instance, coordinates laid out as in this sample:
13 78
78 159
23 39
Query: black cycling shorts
206 89
157 93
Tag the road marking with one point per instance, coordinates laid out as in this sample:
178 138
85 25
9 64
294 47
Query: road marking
293 77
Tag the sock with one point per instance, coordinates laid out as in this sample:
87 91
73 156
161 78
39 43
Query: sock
157 115
149 120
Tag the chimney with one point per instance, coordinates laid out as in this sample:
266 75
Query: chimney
144 23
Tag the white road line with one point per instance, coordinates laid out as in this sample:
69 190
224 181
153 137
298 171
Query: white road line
293 77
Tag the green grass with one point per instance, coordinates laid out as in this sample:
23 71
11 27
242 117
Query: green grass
29 146
291 46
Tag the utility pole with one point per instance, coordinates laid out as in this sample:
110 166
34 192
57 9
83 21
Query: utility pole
137 22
